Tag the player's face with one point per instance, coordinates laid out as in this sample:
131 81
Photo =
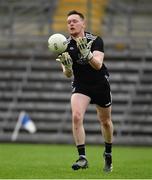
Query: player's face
76 25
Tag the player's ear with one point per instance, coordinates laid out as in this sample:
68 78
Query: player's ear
84 24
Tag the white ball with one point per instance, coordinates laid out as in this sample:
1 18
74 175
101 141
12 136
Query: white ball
57 43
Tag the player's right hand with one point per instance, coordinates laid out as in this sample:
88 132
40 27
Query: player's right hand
65 59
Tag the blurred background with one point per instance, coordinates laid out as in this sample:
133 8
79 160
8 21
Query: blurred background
32 81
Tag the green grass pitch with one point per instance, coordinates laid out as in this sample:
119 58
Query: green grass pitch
36 161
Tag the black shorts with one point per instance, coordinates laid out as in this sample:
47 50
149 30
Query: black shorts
100 93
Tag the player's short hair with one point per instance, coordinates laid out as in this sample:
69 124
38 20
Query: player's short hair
76 12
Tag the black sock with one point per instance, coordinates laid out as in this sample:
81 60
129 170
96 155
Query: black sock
81 149
108 147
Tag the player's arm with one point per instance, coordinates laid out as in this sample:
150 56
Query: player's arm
66 63
97 60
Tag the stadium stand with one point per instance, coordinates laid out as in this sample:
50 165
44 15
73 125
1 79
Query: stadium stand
94 15
31 80
25 25
37 87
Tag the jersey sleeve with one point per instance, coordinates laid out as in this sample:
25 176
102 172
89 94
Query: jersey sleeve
98 45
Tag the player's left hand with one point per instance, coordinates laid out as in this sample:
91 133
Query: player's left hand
84 47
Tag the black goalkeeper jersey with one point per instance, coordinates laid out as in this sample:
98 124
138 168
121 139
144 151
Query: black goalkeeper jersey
85 73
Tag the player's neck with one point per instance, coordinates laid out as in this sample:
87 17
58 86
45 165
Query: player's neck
82 34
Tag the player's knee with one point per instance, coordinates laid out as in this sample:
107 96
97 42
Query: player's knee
77 118
106 123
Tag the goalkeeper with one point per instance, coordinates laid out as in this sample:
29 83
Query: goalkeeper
84 60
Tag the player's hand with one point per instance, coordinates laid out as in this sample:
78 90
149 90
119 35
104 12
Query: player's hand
66 60
85 48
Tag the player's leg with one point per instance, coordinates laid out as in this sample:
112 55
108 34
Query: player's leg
104 115
79 104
